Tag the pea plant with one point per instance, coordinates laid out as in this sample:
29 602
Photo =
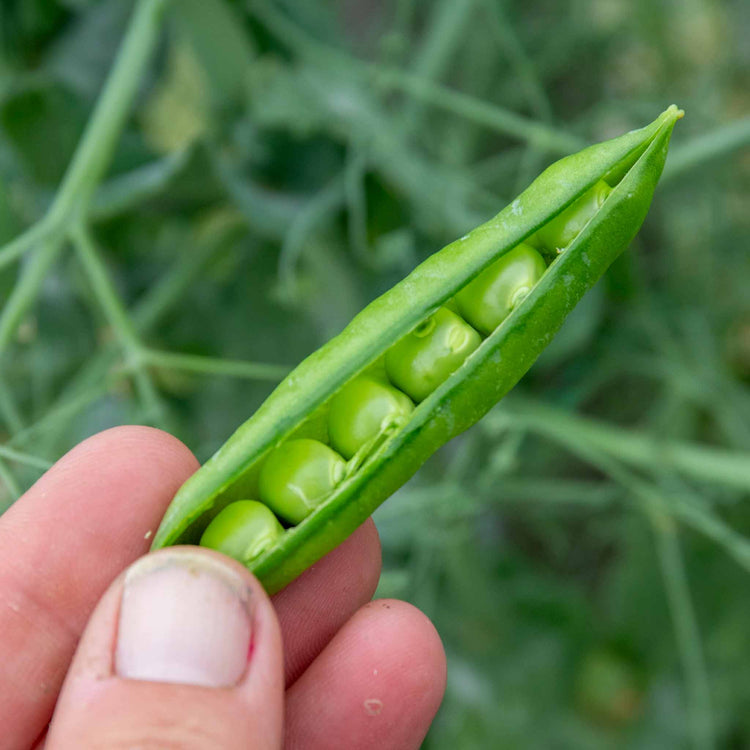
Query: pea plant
252 208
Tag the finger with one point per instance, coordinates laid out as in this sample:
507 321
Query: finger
377 684
61 545
313 608
184 650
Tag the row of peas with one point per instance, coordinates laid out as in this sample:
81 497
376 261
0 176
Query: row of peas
300 474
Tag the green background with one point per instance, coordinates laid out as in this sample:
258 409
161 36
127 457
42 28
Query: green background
286 162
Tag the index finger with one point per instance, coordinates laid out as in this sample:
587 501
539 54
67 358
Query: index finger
61 545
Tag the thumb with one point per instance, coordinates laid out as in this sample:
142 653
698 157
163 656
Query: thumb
183 651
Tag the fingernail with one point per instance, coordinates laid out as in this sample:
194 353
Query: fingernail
184 618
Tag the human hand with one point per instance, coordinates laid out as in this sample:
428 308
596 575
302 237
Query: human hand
315 667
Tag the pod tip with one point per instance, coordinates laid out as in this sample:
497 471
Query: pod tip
675 112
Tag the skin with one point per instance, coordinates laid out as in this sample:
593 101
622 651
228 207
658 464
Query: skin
112 490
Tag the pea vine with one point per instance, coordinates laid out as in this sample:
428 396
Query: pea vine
654 473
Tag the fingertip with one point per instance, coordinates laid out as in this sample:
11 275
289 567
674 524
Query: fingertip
113 488
62 544
129 444
414 642
383 677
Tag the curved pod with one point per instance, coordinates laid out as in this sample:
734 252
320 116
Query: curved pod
631 164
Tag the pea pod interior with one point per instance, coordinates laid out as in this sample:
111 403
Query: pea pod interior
630 165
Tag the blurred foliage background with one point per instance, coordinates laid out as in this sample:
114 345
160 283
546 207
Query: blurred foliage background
584 550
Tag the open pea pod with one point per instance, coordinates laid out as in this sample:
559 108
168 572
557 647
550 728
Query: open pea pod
623 172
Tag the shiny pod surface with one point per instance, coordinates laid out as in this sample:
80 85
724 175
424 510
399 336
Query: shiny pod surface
363 410
487 301
298 408
244 530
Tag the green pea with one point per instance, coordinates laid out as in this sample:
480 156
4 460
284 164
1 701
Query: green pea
297 476
424 358
362 410
567 225
490 298
244 530
451 305
533 240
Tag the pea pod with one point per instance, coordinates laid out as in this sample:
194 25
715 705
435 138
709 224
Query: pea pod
298 409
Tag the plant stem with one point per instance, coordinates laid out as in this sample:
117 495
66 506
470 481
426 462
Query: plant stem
35 234
10 484
26 289
501 120
214 365
356 202
131 189
97 145
605 456
637 448
86 386
523 66
87 167
320 208
24 458
61 414
707 147
446 30
658 510
9 410
687 635
491 116
117 316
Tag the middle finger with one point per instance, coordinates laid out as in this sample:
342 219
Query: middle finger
316 605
